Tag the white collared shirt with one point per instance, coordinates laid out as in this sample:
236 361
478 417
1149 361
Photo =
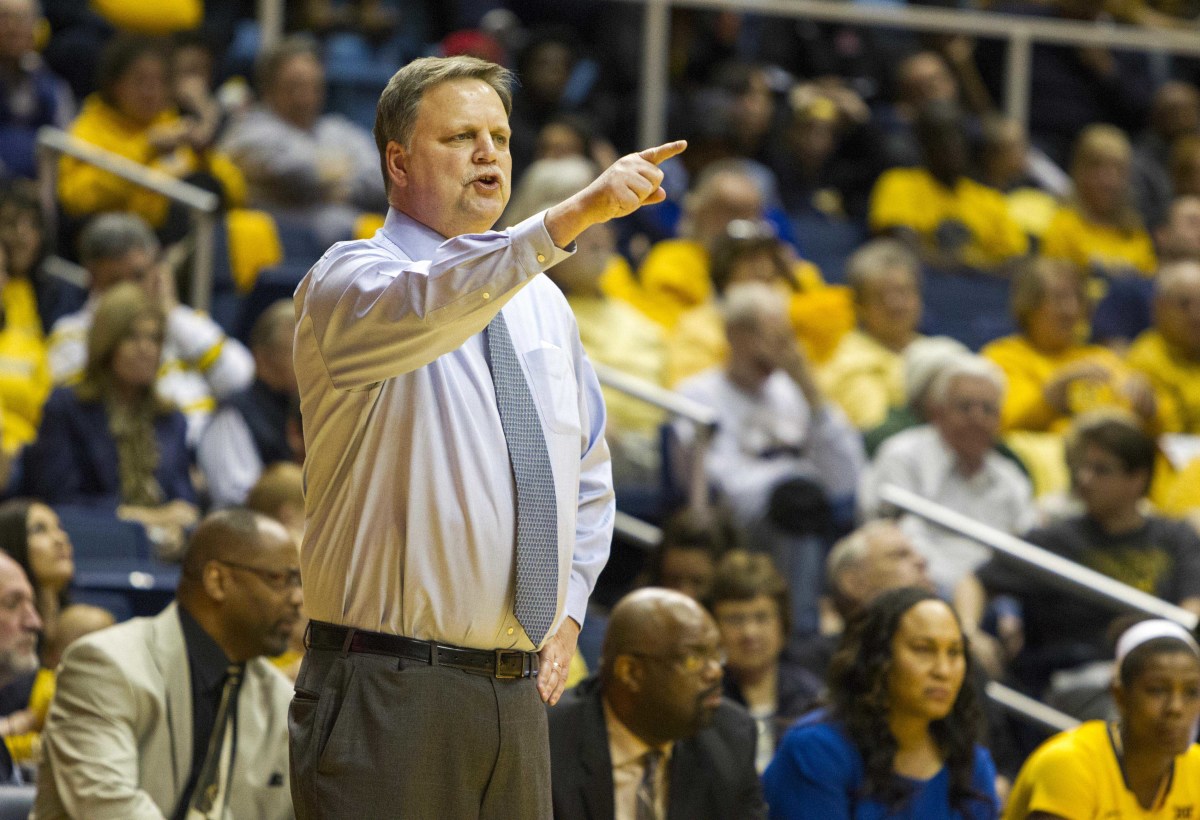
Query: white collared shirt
919 460
410 500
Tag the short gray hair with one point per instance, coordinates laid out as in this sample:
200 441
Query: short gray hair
876 257
969 366
396 113
744 304
851 549
112 235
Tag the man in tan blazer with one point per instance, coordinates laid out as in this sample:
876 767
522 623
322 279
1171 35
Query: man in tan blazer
138 726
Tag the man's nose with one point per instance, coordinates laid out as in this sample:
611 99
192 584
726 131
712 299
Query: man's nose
485 148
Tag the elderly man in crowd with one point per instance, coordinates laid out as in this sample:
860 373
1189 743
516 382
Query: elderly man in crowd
200 364
320 168
952 461
179 715
19 628
651 736
774 425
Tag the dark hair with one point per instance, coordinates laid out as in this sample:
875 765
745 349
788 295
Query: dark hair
14 537
859 698
122 52
711 532
1136 661
743 576
743 238
1122 439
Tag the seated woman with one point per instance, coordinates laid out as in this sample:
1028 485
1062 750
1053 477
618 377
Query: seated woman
31 534
1099 230
1146 764
1052 376
899 737
131 115
749 601
108 442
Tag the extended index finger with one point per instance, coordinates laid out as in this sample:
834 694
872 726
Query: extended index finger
662 152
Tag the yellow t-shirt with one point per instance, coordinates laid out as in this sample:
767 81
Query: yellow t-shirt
1172 375
84 189
970 221
674 277
865 378
1075 775
1087 245
1028 371
21 308
24 386
615 334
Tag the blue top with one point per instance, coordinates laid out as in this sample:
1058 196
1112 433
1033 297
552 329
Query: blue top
818 772
74 459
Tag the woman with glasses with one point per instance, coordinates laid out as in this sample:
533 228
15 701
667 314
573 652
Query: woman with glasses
109 443
898 739
749 601
1145 764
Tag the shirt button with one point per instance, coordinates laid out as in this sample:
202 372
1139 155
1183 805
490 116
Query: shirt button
486 296
541 257
510 630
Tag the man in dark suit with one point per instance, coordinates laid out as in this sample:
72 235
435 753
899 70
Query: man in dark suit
651 738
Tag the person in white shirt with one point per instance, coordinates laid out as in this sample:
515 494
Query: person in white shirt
200 364
952 461
459 503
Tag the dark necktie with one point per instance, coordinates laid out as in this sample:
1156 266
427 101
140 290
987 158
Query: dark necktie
647 791
212 786
537 512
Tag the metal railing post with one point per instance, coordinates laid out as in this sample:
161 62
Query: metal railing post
201 204
1019 65
656 34
270 22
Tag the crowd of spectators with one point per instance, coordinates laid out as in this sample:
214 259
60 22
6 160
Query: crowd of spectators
839 180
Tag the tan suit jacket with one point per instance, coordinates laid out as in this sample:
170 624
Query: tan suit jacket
118 738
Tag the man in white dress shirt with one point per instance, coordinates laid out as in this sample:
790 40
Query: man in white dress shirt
417 697
953 461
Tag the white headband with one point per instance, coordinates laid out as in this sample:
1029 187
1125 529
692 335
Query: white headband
1144 631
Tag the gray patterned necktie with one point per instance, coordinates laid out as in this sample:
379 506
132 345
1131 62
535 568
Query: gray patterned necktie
647 790
537 512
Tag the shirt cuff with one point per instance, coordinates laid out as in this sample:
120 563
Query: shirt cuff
532 234
577 600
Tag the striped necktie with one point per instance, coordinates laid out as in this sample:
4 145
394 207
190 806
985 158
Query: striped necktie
647 790
537 512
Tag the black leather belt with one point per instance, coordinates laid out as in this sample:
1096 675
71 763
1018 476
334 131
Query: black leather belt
498 663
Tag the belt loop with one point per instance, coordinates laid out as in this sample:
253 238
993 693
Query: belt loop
348 640
308 635
433 653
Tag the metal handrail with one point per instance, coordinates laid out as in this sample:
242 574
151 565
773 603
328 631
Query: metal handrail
1020 32
701 415
1049 567
640 533
1032 710
202 205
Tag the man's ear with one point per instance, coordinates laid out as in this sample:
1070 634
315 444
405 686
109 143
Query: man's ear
396 162
628 671
214 581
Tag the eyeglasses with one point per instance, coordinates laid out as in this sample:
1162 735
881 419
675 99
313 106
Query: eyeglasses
278 580
690 661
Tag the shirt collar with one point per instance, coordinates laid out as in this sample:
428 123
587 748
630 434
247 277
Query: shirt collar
623 745
206 659
415 239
